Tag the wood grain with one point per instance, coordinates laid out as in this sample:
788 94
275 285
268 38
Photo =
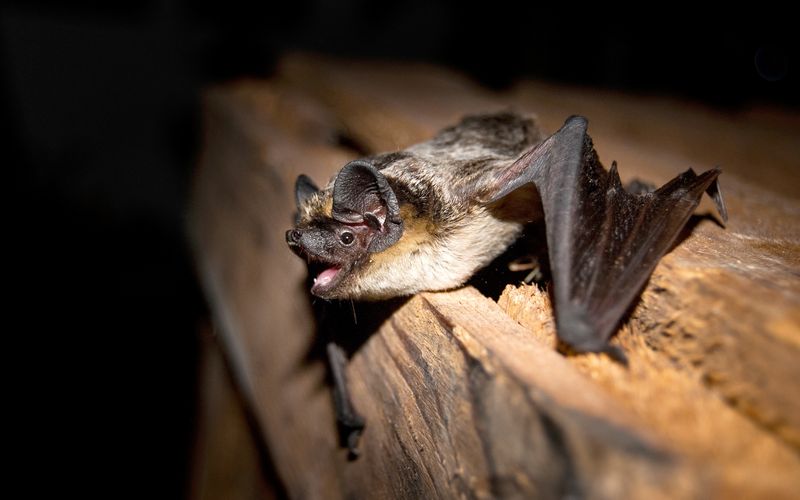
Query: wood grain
467 397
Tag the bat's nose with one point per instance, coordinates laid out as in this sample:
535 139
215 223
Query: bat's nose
293 236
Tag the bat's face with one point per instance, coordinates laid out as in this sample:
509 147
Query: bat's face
337 230
334 251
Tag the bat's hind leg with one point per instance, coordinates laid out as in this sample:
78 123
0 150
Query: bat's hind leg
350 423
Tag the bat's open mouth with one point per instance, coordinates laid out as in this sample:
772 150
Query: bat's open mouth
328 274
326 281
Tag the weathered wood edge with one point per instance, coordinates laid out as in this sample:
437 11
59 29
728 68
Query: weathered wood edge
240 204
485 411
755 259
250 145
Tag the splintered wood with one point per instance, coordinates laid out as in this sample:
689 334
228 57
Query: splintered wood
465 397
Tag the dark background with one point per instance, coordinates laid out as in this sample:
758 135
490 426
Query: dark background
100 110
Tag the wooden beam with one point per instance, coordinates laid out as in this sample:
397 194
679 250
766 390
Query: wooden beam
461 399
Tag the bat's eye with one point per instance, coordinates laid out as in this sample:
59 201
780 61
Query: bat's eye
347 237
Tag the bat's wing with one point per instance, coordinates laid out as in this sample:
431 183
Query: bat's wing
603 241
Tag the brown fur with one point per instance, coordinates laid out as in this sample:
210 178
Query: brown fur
448 234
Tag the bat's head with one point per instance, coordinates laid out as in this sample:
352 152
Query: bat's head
338 229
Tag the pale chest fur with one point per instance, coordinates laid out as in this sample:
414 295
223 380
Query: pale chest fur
419 262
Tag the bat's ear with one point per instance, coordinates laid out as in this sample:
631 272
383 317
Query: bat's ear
304 188
362 195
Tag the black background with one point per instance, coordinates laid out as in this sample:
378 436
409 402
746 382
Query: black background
100 115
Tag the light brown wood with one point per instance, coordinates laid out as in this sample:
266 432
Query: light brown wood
480 410
465 397
227 462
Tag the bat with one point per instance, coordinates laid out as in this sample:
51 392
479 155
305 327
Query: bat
428 217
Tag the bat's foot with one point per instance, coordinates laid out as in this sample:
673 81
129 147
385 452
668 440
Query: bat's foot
350 434
528 263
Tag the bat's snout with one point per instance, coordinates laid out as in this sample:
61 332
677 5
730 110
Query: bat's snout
309 242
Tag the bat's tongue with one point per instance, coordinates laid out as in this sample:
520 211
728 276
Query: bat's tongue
325 277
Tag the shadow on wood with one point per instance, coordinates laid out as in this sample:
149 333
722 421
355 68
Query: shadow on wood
467 396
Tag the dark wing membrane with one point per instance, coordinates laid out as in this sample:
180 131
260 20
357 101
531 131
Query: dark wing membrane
603 241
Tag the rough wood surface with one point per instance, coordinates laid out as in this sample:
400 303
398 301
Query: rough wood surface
465 397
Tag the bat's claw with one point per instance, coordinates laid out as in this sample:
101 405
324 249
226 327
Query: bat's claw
352 444
350 434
